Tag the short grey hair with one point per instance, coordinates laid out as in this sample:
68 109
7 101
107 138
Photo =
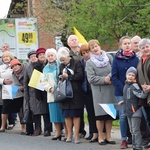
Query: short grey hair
70 36
63 52
51 50
143 42
135 37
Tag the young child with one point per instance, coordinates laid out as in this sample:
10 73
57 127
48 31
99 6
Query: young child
131 94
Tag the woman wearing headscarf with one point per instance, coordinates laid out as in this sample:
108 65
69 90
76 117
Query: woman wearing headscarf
41 97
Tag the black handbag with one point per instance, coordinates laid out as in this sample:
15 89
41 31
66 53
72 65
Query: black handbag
62 91
27 118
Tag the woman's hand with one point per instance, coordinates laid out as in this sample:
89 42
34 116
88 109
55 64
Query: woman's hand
107 80
51 90
65 75
21 88
7 81
146 88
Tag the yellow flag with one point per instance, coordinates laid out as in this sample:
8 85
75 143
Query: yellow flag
81 38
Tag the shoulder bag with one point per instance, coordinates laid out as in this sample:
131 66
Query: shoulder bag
62 91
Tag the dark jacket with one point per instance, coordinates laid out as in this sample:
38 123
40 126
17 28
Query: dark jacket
119 68
40 95
77 101
85 84
131 95
37 107
144 76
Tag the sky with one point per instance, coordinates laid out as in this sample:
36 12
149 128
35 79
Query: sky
4 7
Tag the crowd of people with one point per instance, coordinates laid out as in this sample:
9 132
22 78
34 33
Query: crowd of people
96 78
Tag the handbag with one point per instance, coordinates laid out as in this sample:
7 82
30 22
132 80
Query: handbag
27 118
62 91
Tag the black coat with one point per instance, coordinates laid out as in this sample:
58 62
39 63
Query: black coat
40 95
77 102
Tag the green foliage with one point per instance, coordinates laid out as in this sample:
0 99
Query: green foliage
105 20
109 20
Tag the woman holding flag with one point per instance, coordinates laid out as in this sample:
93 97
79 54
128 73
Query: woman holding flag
11 102
98 69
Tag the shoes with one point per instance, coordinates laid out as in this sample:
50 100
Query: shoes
23 133
129 140
147 146
102 143
47 133
64 139
37 132
29 134
89 137
82 134
57 138
10 127
77 141
110 142
2 130
124 145
93 140
68 140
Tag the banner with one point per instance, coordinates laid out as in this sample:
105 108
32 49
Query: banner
81 38
12 90
35 80
21 34
109 109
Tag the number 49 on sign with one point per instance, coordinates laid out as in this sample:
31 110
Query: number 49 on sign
27 37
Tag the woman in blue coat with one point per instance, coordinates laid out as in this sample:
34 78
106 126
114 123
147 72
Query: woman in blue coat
123 60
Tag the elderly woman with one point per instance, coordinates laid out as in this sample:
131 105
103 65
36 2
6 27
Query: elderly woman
143 69
18 77
98 69
41 106
11 104
71 109
50 76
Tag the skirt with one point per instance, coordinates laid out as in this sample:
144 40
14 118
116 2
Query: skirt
72 112
55 112
12 106
104 117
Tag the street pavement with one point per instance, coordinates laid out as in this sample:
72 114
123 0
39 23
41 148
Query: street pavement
13 140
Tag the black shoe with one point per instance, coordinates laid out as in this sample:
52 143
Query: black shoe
147 146
110 142
2 130
89 137
93 140
129 141
57 138
29 134
102 143
47 133
23 133
82 134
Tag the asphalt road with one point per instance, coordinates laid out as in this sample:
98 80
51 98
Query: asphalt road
13 140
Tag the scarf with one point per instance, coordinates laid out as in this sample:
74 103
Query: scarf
68 70
100 61
125 54
144 58
19 72
53 69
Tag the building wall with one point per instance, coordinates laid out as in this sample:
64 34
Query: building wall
46 39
